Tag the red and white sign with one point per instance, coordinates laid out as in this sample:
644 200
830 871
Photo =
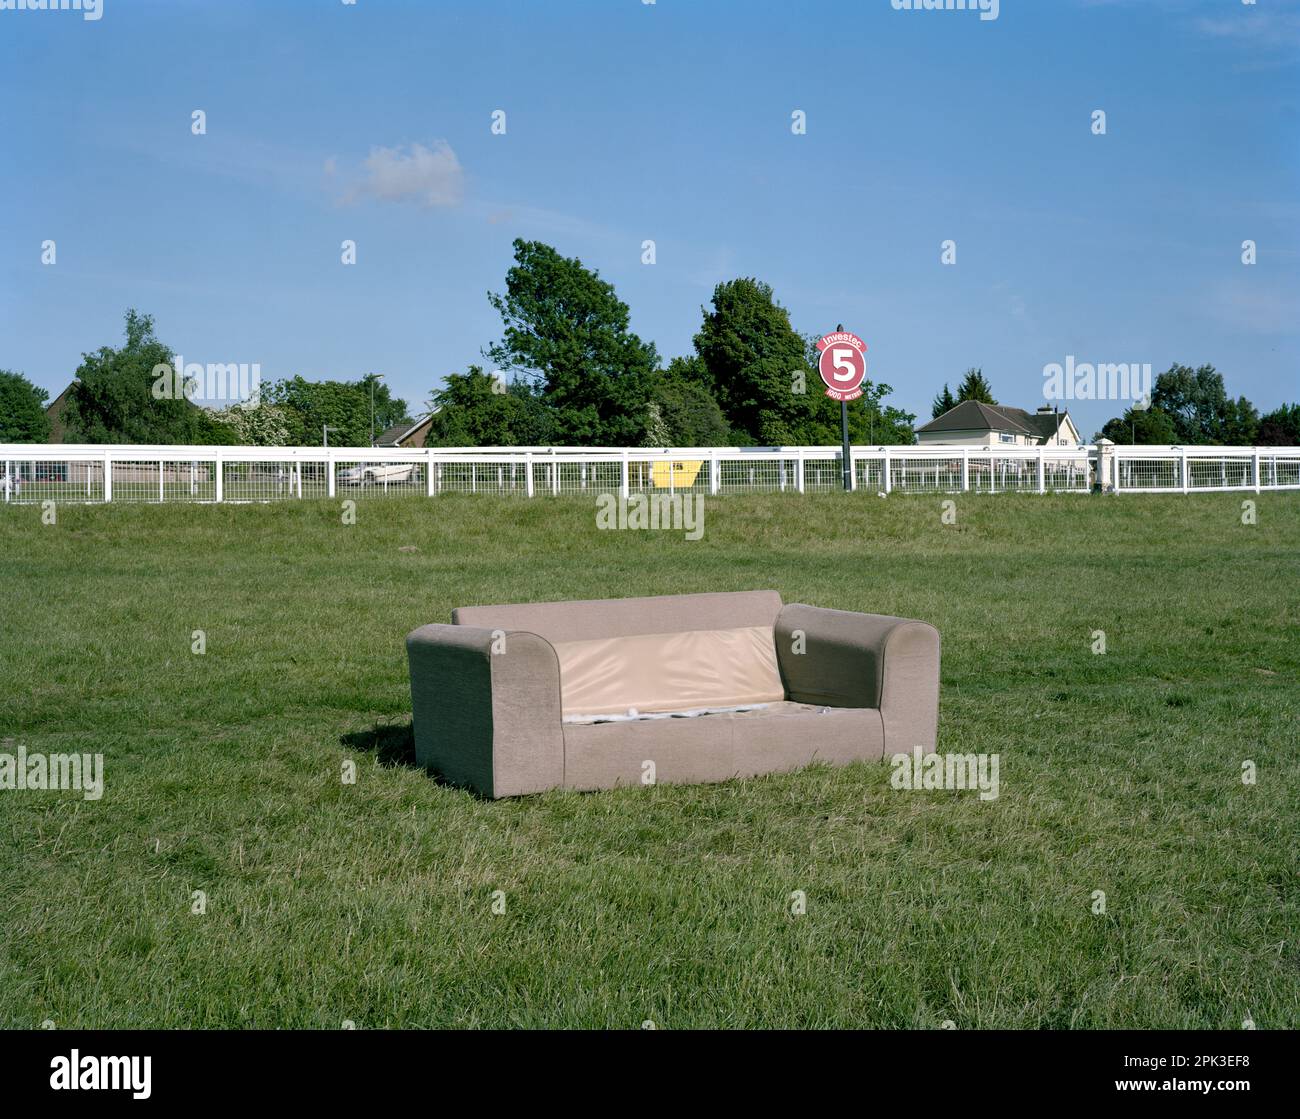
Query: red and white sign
843 364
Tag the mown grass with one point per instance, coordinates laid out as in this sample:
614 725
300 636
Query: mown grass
372 902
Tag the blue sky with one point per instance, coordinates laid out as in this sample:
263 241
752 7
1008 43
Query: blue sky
670 121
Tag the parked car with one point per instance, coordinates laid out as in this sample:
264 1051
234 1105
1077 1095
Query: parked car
374 473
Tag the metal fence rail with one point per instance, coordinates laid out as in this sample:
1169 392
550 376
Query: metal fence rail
92 473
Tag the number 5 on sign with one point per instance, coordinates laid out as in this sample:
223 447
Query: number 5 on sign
842 365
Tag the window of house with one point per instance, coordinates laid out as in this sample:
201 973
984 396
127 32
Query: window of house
1006 437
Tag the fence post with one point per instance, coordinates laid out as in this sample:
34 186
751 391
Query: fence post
886 479
798 470
965 469
160 481
428 474
1184 468
714 471
624 482
219 472
1042 479
108 478
1255 468
528 473
853 472
329 476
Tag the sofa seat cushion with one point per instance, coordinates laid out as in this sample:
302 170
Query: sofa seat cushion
780 737
666 672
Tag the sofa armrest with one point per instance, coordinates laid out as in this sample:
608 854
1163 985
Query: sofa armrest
486 708
864 660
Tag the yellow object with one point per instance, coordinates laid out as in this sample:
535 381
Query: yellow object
676 475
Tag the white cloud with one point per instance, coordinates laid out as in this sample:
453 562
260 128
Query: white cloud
428 177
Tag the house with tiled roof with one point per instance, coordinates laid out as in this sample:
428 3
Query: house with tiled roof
409 433
974 424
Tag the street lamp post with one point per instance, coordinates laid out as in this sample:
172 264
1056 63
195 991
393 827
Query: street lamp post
325 430
373 378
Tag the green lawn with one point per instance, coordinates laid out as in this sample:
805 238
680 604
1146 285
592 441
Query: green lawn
372 902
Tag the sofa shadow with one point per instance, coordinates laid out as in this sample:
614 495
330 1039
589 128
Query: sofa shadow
392 743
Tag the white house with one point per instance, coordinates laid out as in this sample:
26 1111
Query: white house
974 424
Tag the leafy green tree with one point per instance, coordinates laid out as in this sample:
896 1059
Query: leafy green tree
343 405
132 395
1240 423
686 408
944 402
22 410
1198 403
975 387
755 364
475 409
1148 426
567 331
1280 428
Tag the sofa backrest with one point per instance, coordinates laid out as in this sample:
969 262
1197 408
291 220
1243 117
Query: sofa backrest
627 617
672 653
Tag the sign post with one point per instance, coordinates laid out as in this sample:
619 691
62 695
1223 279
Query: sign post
843 368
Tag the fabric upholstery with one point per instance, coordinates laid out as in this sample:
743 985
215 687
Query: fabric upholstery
864 660
719 747
625 617
486 693
488 720
669 671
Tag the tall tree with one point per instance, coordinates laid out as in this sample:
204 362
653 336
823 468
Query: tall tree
22 410
567 330
755 363
121 396
475 409
944 402
1281 427
1198 403
974 386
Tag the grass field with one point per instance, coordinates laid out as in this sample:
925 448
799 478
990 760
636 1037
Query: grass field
372 902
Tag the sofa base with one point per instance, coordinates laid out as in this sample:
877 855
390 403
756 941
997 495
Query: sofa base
780 738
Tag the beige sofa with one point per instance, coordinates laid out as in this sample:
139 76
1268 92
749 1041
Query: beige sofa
590 695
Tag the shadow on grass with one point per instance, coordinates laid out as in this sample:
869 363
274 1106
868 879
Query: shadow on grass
392 743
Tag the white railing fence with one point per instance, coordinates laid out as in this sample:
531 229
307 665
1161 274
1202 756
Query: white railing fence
93 472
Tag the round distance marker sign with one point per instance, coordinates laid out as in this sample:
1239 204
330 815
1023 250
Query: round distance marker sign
843 364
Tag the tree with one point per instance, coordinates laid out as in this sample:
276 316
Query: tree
754 363
129 395
1198 403
944 402
255 424
22 410
475 409
687 410
567 331
764 376
344 406
974 387
1281 427
1148 426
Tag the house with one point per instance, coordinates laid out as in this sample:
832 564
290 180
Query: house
974 424
55 410
409 433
